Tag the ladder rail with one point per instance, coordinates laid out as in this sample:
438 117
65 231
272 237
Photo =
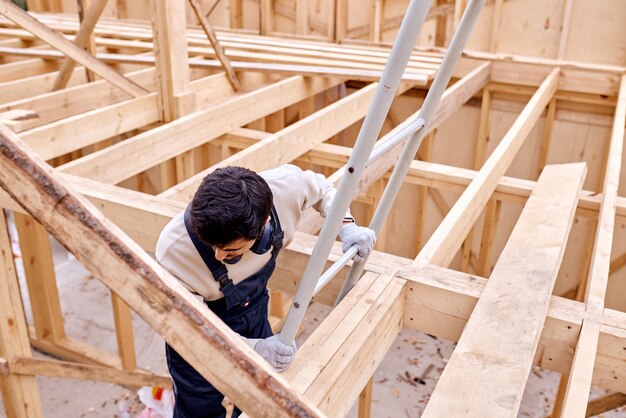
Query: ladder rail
433 97
398 58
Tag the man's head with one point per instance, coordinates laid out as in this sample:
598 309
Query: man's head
230 209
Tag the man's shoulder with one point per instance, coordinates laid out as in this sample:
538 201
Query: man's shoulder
280 173
170 236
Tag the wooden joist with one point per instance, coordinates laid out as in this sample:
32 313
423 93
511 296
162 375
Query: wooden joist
580 377
494 356
23 19
68 370
442 245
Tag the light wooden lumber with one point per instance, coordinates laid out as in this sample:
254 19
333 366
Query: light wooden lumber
494 356
19 393
580 379
83 38
155 295
78 99
346 71
69 370
453 98
23 19
442 245
605 404
219 51
291 142
35 85
155 146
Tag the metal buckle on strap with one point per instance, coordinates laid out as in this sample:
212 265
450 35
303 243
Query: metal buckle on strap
278 240
223 279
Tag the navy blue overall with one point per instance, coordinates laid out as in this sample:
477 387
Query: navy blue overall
243 309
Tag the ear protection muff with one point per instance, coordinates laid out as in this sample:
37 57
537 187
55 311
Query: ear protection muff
264 243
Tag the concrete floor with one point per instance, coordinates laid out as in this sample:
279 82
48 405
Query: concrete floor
87 308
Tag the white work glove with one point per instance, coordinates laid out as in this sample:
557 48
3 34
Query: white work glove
277 354
361 236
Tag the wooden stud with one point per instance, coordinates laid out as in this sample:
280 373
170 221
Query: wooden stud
492 216
302 17
365 400
547 135
425 153
41 279
605 404
267 21
124 332
236 14
19 393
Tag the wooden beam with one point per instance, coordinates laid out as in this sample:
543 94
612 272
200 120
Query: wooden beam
605 404
580 376
82 40
345 70
19 393
68 370
35 85
453 98
168 27
291 142
446 240
226 361
41 279
23 19
489 367
219 51
110 165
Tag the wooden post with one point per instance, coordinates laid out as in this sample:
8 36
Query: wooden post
236 14
425 153
302 17
341 20
547 135
365 400
41 279
172 66
479 158
19 393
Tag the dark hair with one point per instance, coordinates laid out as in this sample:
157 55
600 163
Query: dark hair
231 203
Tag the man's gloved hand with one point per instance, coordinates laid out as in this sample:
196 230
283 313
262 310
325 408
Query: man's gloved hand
277 354
363 237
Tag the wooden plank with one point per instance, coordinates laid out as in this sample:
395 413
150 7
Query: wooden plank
124 332
35 85
365 400
168 27
453 98
495 353
68 370
23 19
226 361
111 164
41 279
605 404
580 376
19 393
445 241
217 47
83 39
78 99
291 142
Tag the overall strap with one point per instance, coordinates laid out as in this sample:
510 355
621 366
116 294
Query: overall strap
279 235
217 268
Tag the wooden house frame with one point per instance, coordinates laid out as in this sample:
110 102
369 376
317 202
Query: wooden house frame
129 150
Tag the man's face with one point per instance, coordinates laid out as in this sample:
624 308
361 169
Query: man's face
233 250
